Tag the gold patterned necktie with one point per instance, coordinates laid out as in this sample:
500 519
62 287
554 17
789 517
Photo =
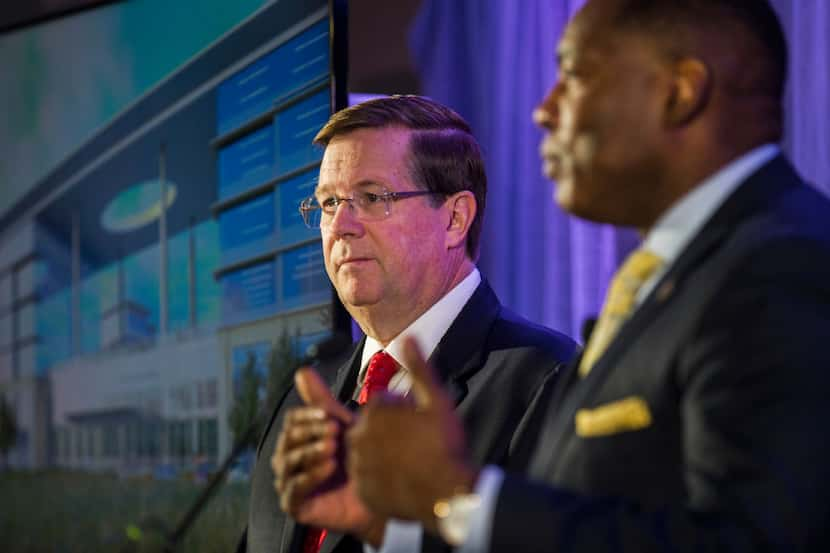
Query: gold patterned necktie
619 304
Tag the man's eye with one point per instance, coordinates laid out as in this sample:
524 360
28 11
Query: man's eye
371 197
329 203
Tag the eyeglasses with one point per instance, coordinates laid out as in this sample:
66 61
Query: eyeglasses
365 206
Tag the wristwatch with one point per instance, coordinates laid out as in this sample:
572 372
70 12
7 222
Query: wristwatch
453 516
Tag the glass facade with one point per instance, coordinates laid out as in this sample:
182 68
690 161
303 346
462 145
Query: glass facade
119 304
141 293
208 290
272 109
99 300
178 282
249 257
54 329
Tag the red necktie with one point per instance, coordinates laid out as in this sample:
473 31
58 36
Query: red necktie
382 367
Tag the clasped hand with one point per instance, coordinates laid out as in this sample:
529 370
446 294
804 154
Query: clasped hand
401 455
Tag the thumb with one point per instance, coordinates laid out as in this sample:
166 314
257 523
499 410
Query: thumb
316 393
426 388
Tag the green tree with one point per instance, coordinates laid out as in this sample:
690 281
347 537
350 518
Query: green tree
246 404
8 428
282 363
247 410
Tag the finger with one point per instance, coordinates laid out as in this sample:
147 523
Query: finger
316 393
279 454
278 461
297 489
299 415
301 434
295 436
303 458
426 388
303 425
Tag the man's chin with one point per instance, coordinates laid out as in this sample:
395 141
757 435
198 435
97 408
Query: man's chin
563 194
358 299
570 203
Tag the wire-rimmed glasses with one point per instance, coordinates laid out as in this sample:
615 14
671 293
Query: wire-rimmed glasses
365 205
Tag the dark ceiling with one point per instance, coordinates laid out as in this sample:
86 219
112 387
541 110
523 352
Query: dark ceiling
16 15
379 59
378 31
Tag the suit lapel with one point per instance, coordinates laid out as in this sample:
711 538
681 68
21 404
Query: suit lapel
332 540
346 379
460 352
290 542
567 393
756 193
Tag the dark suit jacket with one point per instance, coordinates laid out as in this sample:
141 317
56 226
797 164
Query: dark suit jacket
496 367
731 355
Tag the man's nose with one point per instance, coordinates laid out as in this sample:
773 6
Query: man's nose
546 115
344 221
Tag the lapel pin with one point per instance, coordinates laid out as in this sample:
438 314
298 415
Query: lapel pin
665 291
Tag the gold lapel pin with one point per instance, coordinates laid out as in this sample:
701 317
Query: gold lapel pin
665 291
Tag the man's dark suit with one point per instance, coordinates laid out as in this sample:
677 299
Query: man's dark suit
731 353
496 366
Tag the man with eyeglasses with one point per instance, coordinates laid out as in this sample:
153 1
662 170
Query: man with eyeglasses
399 205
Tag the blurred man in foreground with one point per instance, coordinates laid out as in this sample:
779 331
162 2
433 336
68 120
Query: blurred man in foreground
399 203
694 421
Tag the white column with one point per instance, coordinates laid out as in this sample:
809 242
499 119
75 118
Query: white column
163 243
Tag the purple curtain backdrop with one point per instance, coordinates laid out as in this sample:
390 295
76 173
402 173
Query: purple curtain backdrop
807 139
492 61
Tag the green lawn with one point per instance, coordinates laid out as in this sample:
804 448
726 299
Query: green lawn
61 511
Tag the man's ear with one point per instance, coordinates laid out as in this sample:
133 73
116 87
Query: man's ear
462 209
691 88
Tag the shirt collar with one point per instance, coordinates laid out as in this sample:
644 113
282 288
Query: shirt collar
430 327
686 217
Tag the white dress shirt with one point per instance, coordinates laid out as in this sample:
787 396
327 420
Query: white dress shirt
428 329
669 237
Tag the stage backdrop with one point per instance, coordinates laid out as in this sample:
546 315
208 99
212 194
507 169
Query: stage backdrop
493 61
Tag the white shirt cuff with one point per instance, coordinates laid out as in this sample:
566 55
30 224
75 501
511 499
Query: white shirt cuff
405 537
399 537
487 488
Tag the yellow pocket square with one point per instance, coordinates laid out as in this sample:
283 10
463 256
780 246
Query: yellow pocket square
624 415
